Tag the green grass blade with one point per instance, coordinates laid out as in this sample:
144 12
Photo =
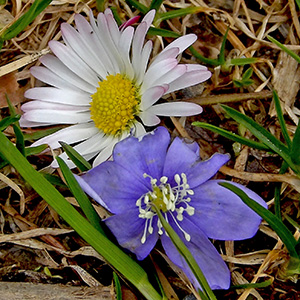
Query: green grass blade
184 251
163 32
232 136
108 250
5 122
221 58
155 4
210 61
242 61
41 133
281 230
36 8
263 135
141 7
257 285
82 199
100 5
281 120
118 290
35 150
284 48
295 153
76 158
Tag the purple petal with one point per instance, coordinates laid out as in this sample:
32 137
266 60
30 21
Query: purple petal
128 228
221 214
116 186
144 156
179 159
205 254
204 170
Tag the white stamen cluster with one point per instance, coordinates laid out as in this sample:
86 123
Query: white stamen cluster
170 200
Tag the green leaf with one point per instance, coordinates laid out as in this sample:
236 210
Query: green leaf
82 199
155 4
257 285
118 289
35 150
7 121
242 61
100 5
295 153
184 251
281 119
176 13
232 136
76 158
141 7
116 15
36 8
247 74
284 48
281 230
163 32
210 61
263 135
221 58
108 250
41 133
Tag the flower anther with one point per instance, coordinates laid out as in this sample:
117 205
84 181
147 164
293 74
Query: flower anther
115 104
171 201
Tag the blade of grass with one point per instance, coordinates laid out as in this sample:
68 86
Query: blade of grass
155 4
141 7
82 199
295 153
221 58
281 120
263 135
5 122
242 61
210 61
163 32
118 290
36 8
109 251
281 230
284 48
76 158
232 136
184 251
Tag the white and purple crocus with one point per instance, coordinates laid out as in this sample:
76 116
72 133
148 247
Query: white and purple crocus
151 171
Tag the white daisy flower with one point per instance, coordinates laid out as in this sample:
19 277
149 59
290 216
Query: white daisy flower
103 86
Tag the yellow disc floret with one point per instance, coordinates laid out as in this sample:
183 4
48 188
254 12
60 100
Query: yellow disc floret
115 104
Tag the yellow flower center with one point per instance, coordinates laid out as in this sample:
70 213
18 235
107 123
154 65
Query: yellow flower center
115 104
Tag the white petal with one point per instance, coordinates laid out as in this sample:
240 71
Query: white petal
171 76
81 44
70 135
182 42
25 123
195 67
148 19
139 129
176 109
124 47
56 66
189 79
72 61
156 72
47 76
105 154
149 119
57 117
55 95
144 59
42 105
170 53
150 96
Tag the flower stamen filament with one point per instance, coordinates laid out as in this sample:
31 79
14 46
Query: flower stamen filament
170 200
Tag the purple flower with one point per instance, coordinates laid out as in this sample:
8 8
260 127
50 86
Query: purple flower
149 171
